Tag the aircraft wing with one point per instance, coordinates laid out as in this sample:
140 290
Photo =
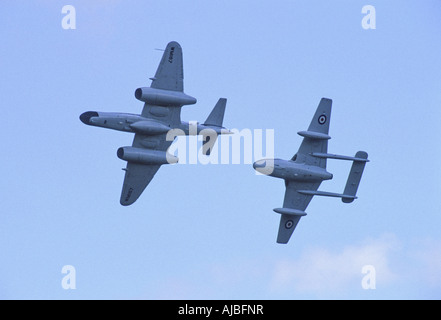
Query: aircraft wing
138 176
296 201
316 137
169 76
170 72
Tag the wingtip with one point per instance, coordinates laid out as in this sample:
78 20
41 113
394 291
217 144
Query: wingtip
361 154
173 43
126 202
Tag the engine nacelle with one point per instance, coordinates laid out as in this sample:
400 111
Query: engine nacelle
149 127
145 156
159 97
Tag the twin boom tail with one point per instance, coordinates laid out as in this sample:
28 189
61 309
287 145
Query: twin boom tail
355 176
359 162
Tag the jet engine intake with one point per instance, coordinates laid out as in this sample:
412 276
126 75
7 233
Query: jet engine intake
159 97
145 156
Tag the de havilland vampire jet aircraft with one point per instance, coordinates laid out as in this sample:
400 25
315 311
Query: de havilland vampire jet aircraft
304 173
161 113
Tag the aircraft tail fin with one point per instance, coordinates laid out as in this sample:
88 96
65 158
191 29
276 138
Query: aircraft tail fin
354 177
215 119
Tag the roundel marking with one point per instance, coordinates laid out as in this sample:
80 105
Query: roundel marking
289 224
322 119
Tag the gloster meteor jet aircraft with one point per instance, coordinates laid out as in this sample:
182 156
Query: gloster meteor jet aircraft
161 113
304 173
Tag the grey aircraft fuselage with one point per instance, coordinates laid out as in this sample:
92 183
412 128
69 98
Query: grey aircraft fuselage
290 170
135 123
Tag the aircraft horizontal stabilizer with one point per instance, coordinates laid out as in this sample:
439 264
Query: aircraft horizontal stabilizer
215 119
355 177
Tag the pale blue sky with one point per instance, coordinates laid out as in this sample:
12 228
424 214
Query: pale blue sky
208 231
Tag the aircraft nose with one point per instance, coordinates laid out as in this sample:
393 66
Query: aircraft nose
259 164
85 117
265 166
